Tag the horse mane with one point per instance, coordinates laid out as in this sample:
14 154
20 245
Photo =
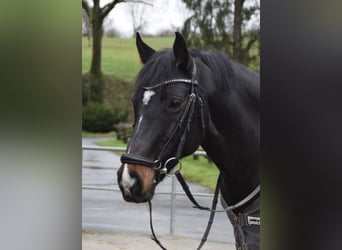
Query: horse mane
228 74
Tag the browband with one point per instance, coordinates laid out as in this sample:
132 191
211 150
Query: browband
187 81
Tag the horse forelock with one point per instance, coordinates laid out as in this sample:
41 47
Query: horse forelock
157 69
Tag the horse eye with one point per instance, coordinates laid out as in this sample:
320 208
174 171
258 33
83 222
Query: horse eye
175 104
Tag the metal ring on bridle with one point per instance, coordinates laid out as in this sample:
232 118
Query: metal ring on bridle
178 163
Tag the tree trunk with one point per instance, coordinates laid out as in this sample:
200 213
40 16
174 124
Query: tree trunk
93 89
237 33
95 68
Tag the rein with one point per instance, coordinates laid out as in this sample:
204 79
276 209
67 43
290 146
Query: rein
212 210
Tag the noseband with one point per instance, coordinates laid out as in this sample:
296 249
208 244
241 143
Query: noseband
187 115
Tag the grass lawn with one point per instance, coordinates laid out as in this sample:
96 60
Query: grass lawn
200 171
120 56
197 171
95 135
111 143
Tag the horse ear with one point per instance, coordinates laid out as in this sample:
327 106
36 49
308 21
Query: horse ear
181 53
145 51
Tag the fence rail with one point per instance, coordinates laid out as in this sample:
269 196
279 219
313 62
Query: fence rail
173 193
156 193
123 149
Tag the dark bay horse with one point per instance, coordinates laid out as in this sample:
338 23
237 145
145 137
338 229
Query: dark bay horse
185 98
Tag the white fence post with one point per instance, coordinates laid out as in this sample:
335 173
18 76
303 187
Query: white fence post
172 207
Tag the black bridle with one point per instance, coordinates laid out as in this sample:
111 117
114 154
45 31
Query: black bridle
161 168
186 116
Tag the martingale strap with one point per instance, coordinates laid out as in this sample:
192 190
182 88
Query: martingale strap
212 210
214 203
188 193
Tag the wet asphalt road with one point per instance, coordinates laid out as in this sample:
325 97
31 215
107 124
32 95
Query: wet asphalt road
106 211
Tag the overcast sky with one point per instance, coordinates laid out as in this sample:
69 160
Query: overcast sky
163 15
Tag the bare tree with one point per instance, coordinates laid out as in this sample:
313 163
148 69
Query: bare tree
97 15
137 12
241 14
86 26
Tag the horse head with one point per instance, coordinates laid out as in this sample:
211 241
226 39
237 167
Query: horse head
169 106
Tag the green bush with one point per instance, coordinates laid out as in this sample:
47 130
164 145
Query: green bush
112 92
97 118
92 88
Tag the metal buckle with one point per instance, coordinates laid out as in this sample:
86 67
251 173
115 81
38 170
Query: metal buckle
192 97
160 165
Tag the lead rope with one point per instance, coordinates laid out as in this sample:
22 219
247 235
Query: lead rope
154 237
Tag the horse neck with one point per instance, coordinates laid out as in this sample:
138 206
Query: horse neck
232 142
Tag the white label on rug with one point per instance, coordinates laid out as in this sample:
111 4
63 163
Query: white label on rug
251 220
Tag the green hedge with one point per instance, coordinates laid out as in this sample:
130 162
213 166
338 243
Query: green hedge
97 118
106 102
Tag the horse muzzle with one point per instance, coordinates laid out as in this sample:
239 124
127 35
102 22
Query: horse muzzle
137 183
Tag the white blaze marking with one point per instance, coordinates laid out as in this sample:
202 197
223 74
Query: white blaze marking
147 96
127 181
139 122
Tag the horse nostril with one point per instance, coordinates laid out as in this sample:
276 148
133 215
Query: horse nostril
136 188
